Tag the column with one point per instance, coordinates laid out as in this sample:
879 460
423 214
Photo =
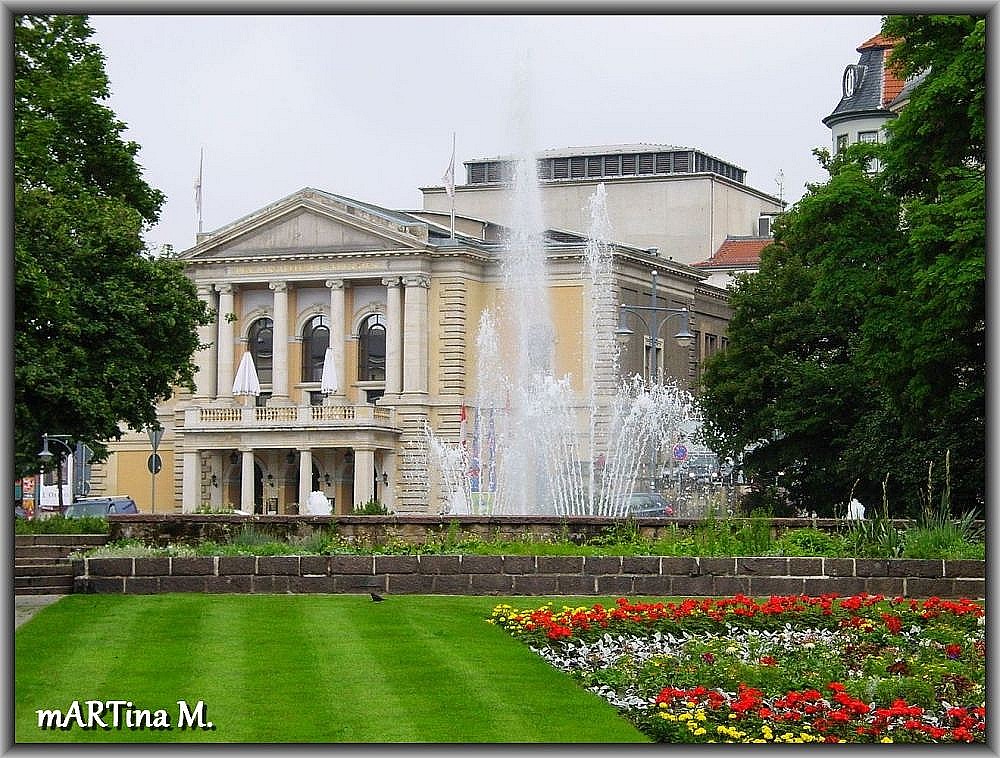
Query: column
393 336
191 482
246 482
364 475
206 376
415 334
337 333
225 347
305 478
219 471
279 366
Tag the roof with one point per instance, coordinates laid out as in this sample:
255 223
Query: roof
564 152
879 84
737 251
879 41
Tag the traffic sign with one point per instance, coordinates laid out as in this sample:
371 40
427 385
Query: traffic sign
155 435
154 463
680 452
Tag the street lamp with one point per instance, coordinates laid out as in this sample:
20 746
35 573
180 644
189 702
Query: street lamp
657 316
45 456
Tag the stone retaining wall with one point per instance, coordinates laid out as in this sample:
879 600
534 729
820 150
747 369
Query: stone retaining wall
532 575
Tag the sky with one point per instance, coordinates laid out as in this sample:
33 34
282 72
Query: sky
366 105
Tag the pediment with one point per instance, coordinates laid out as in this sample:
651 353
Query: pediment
308 223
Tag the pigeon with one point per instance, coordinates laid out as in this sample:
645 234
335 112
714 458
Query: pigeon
376 598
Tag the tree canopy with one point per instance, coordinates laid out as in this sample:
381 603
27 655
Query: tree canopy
857 352
102 330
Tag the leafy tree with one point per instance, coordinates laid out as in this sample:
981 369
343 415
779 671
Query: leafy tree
787 387
102 330
858 350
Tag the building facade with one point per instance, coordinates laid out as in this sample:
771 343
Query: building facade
398 301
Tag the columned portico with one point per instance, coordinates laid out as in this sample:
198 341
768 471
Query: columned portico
225 346
190 481
415 334
279 370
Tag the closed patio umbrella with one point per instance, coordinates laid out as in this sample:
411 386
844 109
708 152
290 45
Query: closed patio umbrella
328 382
246 382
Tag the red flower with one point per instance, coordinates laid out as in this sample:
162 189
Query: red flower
708 657
953 650
769 660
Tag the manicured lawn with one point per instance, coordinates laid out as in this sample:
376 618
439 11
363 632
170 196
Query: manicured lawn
301 668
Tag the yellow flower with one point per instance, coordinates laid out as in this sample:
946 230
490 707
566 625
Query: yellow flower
886 739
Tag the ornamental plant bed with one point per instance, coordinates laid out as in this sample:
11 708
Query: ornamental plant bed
802 669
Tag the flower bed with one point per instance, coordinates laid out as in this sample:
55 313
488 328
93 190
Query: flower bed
793 668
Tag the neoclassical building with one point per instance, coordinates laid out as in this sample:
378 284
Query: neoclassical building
398 300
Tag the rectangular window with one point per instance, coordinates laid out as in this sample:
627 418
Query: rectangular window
711 345
841 142
612 165
628 165
576 168
647 163
868 136
663 163
477 173
560 168
594 166
545 169
657 358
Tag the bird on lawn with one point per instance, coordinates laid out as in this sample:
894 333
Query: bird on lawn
376 598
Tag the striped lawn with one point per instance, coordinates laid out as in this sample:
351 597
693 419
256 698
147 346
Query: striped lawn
302 668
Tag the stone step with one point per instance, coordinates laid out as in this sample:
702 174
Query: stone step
75 540
43 551
42 591
64 583
33 561
44 569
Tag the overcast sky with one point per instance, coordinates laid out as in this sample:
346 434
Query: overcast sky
365 106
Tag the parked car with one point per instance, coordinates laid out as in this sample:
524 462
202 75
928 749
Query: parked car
645 504
101 506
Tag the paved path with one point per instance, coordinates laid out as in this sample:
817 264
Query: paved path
26 606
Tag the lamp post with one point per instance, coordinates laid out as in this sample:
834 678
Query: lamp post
657 316
45 456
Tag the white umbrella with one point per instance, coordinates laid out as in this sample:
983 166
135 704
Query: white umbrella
246 382
328 382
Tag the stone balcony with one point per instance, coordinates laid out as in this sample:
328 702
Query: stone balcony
289 417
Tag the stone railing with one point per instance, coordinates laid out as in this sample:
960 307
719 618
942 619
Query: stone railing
532 575
332 416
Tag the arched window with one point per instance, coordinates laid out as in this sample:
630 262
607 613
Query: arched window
371 349
260 343
315 341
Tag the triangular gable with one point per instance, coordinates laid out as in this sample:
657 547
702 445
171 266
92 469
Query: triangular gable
310 221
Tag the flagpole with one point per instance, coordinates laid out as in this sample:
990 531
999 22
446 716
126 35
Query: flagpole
453 188
197 187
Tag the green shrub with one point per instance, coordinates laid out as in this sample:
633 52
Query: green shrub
372 508
809 542
62 525
914 690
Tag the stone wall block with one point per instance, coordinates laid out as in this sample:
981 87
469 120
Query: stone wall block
352 564
235 583
450 584
768 585
838 566
640 564
396 564
730 585
278 565
109 566
753 566
965 569
314 565
871 567
482 564
192 565
842 585
924 587
577 584
519 564
409 584
104 584
152 566
698 586
535 585
183 583
560 564
142 585
439 564
269 584
805 566
491 584
974 589
657 584
615 585
680 566
359 583
594 564
237 564
890 586
915 567
717 566
312 584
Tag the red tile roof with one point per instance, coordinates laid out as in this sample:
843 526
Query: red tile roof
892 83
738 251
879 40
